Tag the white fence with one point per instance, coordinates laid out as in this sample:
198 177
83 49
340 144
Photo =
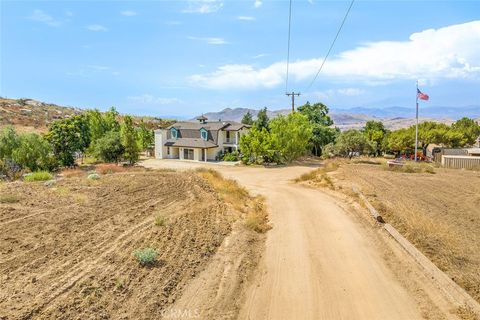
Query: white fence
460 162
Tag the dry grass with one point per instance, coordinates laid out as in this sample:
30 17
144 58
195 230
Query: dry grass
439 213
320 177
466 313
253 208
108 168
412 167
257 217
9 198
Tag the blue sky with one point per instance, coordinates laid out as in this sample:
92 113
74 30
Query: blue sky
183 58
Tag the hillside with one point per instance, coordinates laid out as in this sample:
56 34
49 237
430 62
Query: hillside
343 120
28 115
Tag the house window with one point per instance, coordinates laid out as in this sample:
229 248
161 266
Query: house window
174 133
204 134
168 150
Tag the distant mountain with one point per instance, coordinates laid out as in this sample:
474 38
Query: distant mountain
409 112
355 118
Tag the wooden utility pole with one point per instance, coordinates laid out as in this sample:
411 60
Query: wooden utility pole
293 94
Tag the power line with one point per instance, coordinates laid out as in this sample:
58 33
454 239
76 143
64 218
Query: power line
288 45
331 46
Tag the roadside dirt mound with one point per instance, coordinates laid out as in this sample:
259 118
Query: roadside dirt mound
66 252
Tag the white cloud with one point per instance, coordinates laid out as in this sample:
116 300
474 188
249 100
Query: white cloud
203 6
257 3
261 55
128 13
96 28
210 40
330 93
41 16
245 18
98 67
449 52
152 100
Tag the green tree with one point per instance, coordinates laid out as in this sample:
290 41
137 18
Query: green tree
256 146
109 148
322 133
262 119
129 140
375 133
291 135
34 153
110 119
401 140
247 118
9 141
468 128
350 142
68 136
145 136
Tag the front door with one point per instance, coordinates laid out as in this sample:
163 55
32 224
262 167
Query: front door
188 154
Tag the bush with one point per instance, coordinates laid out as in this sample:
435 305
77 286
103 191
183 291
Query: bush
146 256
34 153
93 176
38 176
230 156
109 148
10 170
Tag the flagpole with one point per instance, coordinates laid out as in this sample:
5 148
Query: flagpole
416 126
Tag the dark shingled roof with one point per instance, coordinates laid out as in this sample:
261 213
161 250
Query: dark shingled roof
189 143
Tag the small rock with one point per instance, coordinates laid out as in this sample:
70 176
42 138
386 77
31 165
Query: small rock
50 183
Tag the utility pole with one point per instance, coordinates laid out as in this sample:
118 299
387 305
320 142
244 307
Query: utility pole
293 94
416 125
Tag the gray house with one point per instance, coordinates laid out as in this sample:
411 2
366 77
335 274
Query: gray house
201 141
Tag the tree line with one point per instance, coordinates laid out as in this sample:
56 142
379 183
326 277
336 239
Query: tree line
105 136
310 131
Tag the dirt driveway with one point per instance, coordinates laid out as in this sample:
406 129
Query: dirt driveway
320 261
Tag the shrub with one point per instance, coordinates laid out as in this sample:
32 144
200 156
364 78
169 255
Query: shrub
146 256
93 176
160 221
9 198
109 148
38 176
10 170
230 156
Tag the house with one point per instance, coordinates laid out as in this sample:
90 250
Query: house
200 141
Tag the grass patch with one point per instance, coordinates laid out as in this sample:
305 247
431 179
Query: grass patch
257 217
9 198
38 176
160 221
411 168
146 256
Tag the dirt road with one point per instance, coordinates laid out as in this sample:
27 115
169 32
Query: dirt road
319 262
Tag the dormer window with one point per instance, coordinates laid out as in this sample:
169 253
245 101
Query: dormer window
204 134
174 133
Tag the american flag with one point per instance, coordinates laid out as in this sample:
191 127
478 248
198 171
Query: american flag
421 95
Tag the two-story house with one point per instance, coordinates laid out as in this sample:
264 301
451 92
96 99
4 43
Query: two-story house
201 141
